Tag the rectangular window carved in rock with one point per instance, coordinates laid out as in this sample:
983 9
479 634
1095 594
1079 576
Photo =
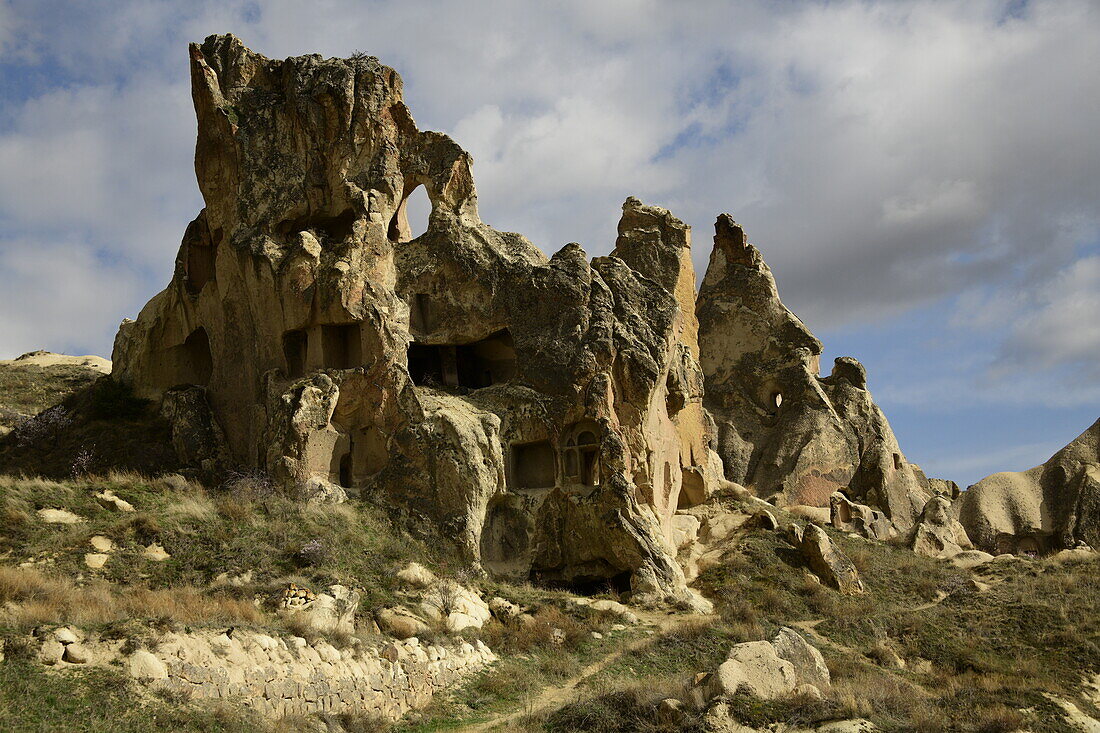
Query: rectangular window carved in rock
534 465
341 346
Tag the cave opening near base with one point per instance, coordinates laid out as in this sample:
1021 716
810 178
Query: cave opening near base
612 584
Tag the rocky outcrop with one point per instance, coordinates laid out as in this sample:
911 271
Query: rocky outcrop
785 432
1050 507
547 413
768 670
860 519
828 562
937 532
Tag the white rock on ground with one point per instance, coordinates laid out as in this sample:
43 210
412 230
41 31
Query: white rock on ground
59 516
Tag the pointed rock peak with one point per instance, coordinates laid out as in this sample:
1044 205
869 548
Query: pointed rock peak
730 238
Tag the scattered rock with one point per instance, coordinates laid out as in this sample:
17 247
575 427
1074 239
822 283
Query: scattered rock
416 575
155 552
809 665
400 622
51 652
108 500
322 491
457 607
96 560
102 544
77 654
504 610
144 665
332 611
65 635
937 533
829 563
671 713
59 516
755 668
968 559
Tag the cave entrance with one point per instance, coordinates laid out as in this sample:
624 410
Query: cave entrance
295 348
341 346
195 362
612 584
479 364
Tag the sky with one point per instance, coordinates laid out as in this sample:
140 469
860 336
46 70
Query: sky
923 178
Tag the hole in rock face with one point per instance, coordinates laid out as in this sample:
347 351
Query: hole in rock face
341 346
346 475
295 348
1029 546
692 488
777 399
583 585
534 465
200 266
897 462
197 362
480 364
411 218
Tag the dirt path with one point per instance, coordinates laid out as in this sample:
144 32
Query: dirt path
556 696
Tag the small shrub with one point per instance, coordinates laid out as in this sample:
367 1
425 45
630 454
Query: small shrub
33 431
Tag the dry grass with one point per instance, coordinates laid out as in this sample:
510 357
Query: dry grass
29 598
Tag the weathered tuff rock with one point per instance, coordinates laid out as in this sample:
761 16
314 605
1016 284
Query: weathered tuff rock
937 532
547 413
784 431
859 518
1050 507
828 562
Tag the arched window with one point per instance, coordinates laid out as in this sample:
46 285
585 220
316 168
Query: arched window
582 455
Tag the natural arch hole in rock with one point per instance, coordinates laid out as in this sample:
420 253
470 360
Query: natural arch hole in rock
692 488
1029 546
412 215
479 364
777 399
200 266
612 584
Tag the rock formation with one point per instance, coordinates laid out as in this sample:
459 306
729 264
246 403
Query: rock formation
783 431
547 413
937 533
1050 507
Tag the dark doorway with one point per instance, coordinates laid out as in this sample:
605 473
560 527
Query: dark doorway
295 348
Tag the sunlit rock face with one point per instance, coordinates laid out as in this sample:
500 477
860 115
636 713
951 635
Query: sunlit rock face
1050 507
785 432
547 412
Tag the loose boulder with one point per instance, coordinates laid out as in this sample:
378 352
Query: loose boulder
828 562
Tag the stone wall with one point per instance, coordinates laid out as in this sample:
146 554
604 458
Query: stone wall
283 676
